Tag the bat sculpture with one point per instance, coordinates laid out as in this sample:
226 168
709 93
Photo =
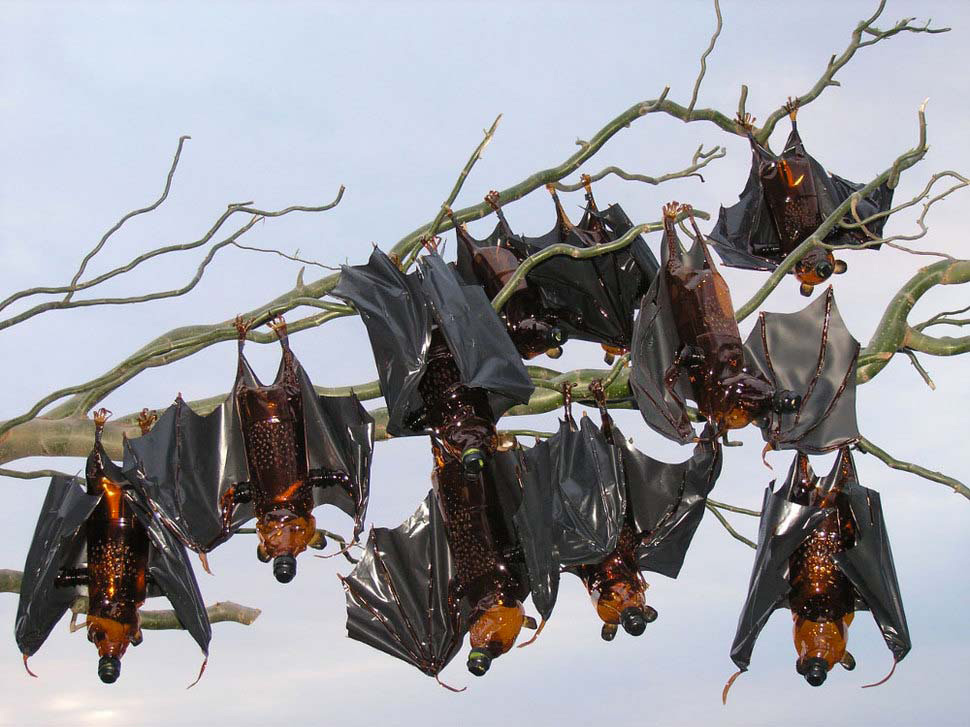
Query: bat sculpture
794 376
823 552
98 538
479 546
446 365
270 452
785 200
664 505
591 299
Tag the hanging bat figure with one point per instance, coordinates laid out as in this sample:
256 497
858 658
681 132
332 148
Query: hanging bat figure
785 200
446 365
271 452
102 541
479 546
664 506
490 263
794 376
591 299
824 553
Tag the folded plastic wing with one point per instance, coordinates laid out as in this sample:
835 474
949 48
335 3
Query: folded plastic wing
812 354
399 598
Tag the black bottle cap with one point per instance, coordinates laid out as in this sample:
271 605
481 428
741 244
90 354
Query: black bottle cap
284 568
473 462
109 669
478 662
824 269
815 671
633 621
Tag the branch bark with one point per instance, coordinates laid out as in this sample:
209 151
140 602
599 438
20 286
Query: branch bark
152 620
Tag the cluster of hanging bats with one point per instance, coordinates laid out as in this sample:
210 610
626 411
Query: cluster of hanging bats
503 521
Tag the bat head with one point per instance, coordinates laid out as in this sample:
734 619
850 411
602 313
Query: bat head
283 535
622 602
112 639
494 632
820 646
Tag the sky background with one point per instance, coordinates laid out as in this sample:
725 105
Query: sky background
287 101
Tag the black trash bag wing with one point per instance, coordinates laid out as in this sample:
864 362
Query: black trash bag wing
784 526
58 543
185 464
666 502
399 323
655 345
594 298
812 354
537 533
169 569
745 235
476 337
399 596
589 497
870 568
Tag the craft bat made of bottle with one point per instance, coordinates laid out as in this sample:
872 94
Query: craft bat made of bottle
785 200
592 299
271 452
823 552
98 538
794 376
446 365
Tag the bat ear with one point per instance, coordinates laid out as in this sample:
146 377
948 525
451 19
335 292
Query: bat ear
841 266
318 541
262 554
806 289
848 661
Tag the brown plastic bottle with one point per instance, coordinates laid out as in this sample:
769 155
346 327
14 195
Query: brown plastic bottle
479 546
117 549
726 392
822 599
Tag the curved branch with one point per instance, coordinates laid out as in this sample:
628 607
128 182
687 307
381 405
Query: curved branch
897 464
151 620
710 49
700 160
727 526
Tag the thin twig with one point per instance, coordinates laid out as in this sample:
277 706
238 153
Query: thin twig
710 49
294 258
919 367
897 464
700 160
733 508
730 528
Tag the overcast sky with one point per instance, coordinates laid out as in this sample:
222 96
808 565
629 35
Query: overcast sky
287 101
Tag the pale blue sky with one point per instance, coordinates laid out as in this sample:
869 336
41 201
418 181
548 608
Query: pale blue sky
285 102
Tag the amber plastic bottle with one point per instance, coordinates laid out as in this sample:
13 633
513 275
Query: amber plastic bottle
822 599
726 392
117 547
480 547
618 590
272 423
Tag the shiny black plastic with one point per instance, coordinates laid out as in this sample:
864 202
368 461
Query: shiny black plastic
868 564
810 353
399 596
187 462
745 235
59 543
401 311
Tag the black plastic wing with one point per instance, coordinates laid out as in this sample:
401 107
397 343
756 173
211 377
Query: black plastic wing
399 323
588 496
594 298
399 597
869 563
169 569
537 533
185 464
740 224
665 502
58 542
476 337
655 345
784 526
812 354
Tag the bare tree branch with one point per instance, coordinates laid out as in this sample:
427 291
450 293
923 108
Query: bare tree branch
151 620
897 464
710 49
727 526
700 160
